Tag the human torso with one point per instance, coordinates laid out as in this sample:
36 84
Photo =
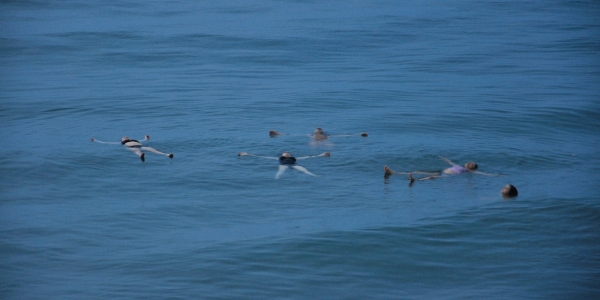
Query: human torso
285 160
456 170
319 136
131 143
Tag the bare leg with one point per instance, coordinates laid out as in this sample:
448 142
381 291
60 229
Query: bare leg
430 177
282 169
387 172
303 170
138 152
156 151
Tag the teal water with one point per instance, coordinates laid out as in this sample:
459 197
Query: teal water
510 85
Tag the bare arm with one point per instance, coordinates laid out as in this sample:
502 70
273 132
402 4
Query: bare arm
103 142
324 154
363 134
273 133
246 154
448 161
487 174
147 137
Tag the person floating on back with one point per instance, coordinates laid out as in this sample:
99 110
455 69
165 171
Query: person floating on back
469 167
318 135
286 160
136 147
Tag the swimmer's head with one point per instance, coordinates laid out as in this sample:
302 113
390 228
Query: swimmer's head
387 171
471 166
286 154
319 130
274 133
509 191
125 138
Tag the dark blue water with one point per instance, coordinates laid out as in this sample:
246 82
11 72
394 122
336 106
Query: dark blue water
511 85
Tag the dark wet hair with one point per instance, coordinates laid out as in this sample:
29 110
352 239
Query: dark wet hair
471 166
509 191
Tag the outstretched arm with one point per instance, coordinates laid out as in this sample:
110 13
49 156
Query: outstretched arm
273 133
363 134
448 161
102 142
246 154
487 174
147 137
324 154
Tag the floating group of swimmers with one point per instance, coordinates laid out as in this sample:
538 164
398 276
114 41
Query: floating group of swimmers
286 160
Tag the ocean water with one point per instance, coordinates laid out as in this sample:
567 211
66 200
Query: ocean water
511 85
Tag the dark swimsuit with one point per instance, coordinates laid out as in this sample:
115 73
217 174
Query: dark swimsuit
283 160
127 141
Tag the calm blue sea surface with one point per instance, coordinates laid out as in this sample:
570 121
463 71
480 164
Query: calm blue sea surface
511 85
